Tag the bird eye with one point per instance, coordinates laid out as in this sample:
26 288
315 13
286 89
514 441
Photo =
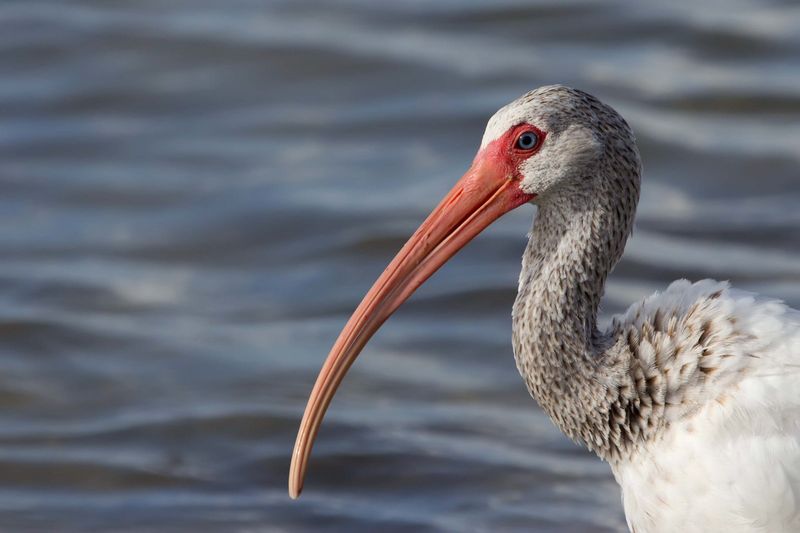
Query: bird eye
527 140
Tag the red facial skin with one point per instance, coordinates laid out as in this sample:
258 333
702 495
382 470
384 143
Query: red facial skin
489 189
504 154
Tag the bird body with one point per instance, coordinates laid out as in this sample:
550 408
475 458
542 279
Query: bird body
720 369
692 396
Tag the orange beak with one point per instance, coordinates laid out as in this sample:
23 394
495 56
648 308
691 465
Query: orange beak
488 190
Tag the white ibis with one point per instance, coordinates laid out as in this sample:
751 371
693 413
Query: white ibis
692 396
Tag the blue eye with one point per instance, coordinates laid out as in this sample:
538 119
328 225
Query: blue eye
527 140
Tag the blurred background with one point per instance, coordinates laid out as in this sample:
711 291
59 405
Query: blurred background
196 193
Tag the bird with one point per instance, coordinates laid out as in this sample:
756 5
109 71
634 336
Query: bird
692 395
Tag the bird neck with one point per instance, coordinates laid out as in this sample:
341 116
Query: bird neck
575 241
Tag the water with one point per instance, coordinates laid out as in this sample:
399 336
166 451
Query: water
195 194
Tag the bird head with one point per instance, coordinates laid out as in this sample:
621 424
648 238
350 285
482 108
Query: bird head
546 143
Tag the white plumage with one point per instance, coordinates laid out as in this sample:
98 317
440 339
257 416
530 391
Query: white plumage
734 465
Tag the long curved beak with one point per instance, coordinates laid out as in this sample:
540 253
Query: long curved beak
487 191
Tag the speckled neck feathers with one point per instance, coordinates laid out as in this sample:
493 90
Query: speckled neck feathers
578 236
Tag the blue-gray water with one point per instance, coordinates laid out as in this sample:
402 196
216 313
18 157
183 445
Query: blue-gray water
196 193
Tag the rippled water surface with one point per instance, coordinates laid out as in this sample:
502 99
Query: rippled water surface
196 193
